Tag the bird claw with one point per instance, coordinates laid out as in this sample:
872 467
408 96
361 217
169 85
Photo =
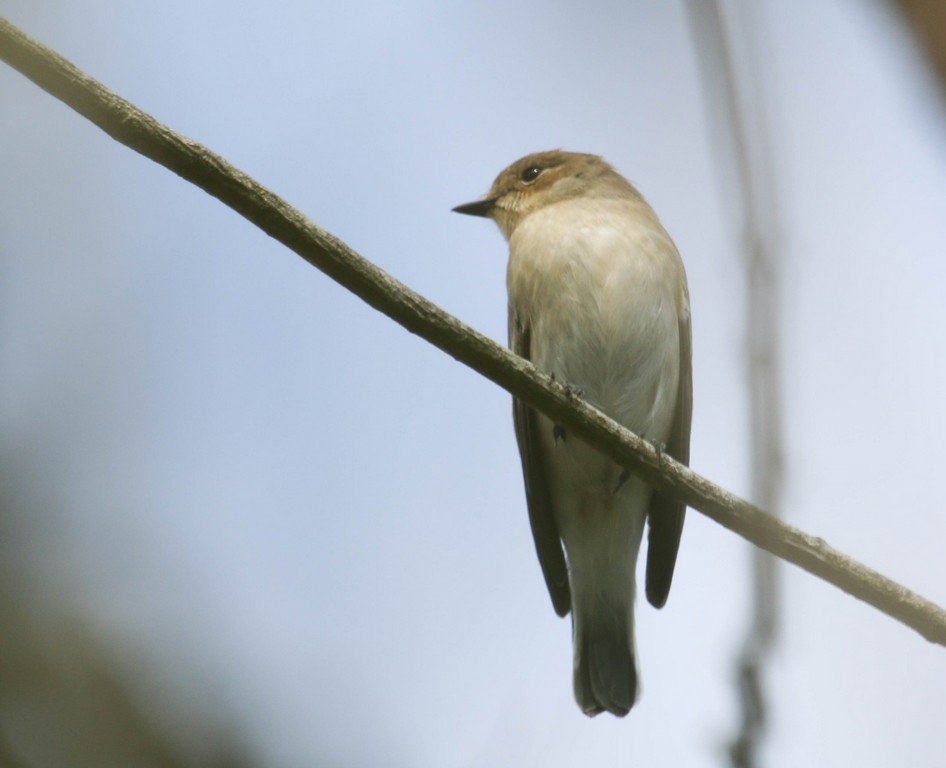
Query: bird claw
660 448
572 392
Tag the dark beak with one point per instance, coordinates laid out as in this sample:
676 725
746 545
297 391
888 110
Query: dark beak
479 208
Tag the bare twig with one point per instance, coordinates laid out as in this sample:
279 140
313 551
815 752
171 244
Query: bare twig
132 127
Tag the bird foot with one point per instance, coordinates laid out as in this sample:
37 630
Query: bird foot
571 391
660 448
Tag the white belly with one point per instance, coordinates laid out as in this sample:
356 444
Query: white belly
602 306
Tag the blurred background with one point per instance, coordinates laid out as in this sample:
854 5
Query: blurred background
247 521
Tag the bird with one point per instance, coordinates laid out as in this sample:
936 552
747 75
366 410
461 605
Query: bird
598 299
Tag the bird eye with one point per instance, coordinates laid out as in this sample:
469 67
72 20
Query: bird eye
531 173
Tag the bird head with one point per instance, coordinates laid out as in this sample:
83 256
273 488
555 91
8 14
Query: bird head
543 179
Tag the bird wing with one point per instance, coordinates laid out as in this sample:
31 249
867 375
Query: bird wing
548 543
666 513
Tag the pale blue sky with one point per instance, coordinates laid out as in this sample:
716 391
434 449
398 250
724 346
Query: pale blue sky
297 514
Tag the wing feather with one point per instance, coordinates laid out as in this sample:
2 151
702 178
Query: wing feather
666 514
548 544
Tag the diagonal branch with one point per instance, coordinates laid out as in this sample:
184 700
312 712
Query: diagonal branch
194 162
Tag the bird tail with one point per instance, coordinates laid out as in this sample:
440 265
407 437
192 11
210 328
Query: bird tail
605 657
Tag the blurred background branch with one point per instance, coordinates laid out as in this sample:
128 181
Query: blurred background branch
736 119
927 19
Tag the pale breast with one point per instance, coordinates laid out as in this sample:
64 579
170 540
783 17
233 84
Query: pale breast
599 284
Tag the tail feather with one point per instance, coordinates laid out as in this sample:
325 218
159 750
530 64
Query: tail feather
602 543
605 671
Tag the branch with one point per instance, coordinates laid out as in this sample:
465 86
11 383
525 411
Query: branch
132 127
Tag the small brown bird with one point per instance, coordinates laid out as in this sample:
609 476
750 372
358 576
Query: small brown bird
598 298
